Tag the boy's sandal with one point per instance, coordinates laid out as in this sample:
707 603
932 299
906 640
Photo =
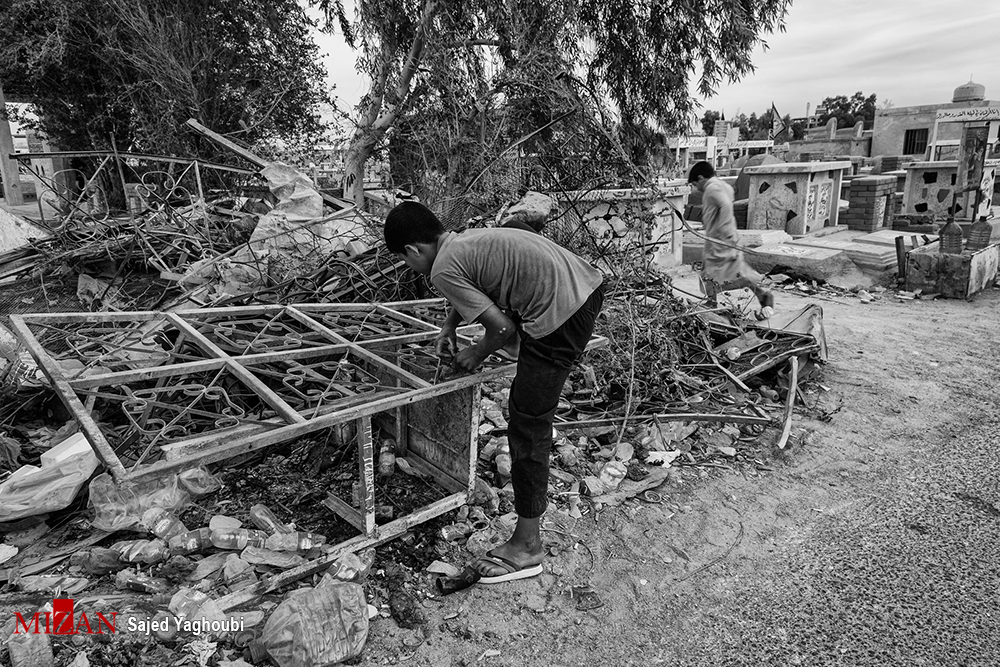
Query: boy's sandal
514 571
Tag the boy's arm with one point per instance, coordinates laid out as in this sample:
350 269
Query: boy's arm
499 328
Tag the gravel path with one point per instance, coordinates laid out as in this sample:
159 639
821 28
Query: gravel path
912 577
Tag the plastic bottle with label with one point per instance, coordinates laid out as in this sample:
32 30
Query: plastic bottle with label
162 523
190 542
238 538
262 517
297 541
387 458
142 551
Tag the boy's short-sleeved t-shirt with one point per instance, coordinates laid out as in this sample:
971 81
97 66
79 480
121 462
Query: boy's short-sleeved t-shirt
542 282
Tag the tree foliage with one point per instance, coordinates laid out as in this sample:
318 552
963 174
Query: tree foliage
848 111
636 61
708 120
102 69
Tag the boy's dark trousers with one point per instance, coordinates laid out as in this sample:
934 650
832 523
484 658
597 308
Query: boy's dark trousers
542 369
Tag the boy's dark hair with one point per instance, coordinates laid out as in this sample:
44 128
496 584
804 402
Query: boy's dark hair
701 169
408 223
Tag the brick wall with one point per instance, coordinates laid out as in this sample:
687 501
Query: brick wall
870 204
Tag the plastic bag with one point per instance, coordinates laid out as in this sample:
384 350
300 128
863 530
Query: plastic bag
118 507
318 626
198 481
31 491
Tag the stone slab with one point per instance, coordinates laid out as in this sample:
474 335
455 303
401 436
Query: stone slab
754 238
865 255
830 265
888 237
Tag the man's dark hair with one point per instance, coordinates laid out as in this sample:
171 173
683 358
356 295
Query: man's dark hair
701 169
408 223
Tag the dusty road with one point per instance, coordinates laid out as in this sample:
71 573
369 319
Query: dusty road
874 541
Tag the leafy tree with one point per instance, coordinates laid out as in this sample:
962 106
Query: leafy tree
638 56
134 72
708 121
796 129
848 111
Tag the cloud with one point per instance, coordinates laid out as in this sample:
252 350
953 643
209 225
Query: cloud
909 51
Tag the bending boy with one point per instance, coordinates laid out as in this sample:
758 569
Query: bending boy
556 297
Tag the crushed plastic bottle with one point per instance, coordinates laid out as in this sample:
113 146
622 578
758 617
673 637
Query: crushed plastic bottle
198 481
455 531
142 551
297 541
262 517
239 538
612 474
319 626
144 583
190 542
118 507
350 567
162 523
191 605
387 458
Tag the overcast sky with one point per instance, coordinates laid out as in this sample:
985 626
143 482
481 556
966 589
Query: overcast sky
907 51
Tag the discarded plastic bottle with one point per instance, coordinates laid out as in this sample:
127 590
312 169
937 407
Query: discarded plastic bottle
297 541
262 517
166 626
350 567
190 604
455 532
142 551
239 538
387 458
198 481
190 542
135 581
97 560
162 523
979 235
950 238
320 626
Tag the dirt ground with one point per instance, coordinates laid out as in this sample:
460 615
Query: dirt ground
665 583
669 576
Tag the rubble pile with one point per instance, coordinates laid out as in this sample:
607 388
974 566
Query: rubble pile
243 559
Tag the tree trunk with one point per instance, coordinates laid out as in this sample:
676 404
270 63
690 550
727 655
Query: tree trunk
360 150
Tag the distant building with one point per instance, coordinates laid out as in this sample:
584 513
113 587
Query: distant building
909 131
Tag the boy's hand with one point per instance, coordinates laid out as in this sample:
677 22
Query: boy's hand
469 359
446 345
